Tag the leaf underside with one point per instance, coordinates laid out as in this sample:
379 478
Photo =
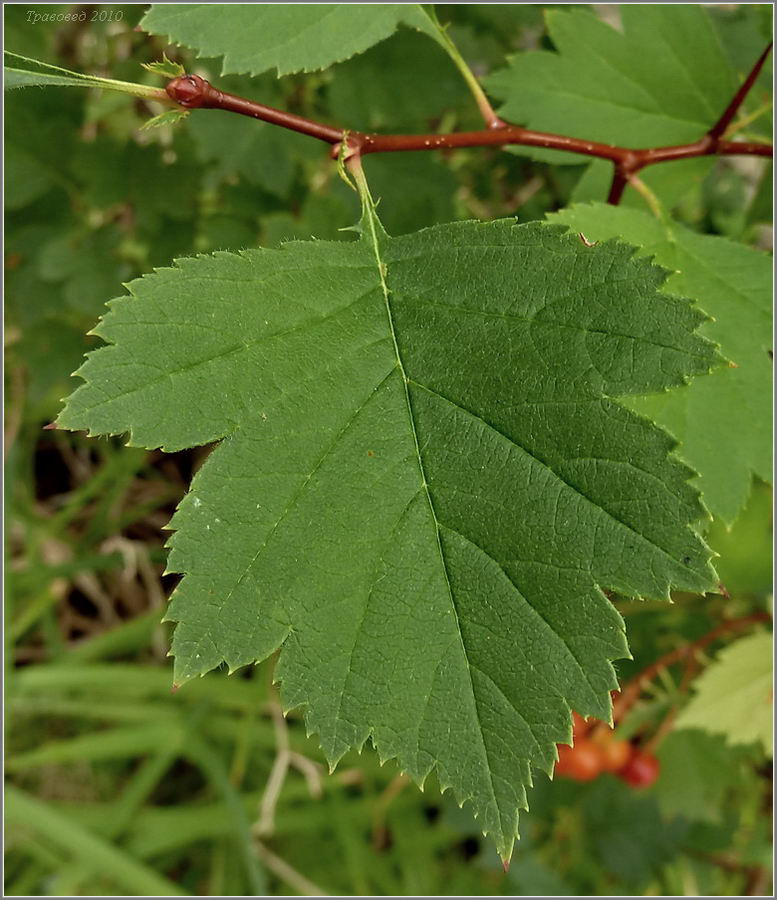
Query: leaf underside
423 482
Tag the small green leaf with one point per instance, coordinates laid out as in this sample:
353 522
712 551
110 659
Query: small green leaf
169 117
165 67
734 695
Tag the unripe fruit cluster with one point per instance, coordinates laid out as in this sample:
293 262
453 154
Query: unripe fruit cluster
596 751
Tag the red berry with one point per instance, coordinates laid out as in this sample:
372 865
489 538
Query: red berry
615 754
641 770
583 762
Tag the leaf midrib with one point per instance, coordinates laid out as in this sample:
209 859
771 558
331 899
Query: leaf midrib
369 214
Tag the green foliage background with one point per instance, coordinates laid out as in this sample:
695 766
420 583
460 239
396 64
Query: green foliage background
117 786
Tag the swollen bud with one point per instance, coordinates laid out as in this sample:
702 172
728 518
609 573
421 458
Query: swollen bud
188 90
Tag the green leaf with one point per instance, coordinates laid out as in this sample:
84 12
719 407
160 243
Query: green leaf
625 832
26 72
165 67
734 695
744 32
322 215
39 144
169 117
675 184
722 422
87 264
18 78
405 84
139 177
697 771
287 37
664 79
423 483
414 190
746 548
28 181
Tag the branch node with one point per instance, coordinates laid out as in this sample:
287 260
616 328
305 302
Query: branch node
190 91
495 122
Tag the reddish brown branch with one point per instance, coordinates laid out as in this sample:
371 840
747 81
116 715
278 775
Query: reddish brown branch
633 688
194 92
709 145
739 98
618 186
